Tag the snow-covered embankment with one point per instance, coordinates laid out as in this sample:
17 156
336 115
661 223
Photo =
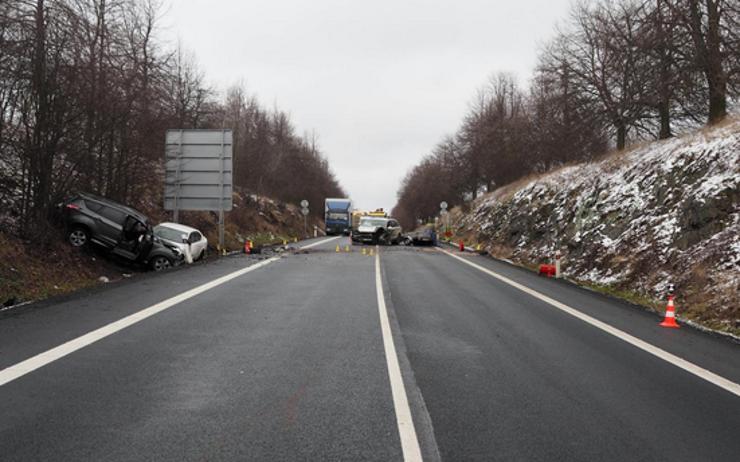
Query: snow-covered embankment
666 212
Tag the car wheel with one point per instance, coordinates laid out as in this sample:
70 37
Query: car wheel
78 237
202 255
160 263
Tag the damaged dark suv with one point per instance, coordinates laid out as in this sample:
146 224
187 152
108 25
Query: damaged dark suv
121 230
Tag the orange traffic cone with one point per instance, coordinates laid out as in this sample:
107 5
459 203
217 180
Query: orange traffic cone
247 247
462 246
670 315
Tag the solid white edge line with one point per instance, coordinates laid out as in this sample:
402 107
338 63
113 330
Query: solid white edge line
406 430
698 371
42 359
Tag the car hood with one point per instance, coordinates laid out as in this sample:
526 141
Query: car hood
367 229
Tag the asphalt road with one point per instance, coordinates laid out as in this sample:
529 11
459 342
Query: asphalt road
319 355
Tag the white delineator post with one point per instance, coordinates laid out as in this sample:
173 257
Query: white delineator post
558 256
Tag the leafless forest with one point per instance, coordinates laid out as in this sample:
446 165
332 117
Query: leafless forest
616 72
87 90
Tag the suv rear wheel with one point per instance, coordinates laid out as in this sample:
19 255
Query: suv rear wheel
78 236
160 263
381 237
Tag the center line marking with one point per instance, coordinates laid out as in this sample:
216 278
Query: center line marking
677 361
406 430
42 359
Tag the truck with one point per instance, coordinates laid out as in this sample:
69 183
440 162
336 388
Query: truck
337 216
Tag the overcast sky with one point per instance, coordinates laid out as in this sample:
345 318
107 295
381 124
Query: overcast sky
380 82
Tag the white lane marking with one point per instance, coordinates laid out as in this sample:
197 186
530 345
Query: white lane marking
406 430
324 241
698 371
42 359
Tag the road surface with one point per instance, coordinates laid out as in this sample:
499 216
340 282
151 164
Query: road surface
408 354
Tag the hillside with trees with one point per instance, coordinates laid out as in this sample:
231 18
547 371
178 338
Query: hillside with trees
87 91
616 73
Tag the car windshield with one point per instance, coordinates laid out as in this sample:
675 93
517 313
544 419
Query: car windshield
169 234
368 221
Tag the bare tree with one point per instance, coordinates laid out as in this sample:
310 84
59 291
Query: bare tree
713 28
602 54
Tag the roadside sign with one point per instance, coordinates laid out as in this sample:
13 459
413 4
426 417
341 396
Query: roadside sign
304 211
304 203
198 172
443 205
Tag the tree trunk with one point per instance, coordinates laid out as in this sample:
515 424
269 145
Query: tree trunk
717 96
621 135
664 112
716 77
707 48
665 78
39 170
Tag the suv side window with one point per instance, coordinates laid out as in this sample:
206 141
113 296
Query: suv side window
112 214
195 237
393 224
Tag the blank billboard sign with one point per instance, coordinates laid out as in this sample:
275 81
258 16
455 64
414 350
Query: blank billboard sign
198 170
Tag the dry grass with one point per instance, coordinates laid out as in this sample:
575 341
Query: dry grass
729 121
31 274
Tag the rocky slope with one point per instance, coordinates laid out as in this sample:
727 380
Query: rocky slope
631 223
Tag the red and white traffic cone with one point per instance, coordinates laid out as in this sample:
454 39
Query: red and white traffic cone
462 246
247 247
670 315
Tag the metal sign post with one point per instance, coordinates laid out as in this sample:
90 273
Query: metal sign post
221 223
176 212
443 212
304 211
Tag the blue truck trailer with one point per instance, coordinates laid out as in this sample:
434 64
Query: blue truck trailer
337 216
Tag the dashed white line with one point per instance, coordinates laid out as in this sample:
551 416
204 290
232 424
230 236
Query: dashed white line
698 371
42 359
404 421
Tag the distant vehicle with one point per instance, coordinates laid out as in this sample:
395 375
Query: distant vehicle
337 216
378 213
377 230
188 240
120 230
425 236
357 214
